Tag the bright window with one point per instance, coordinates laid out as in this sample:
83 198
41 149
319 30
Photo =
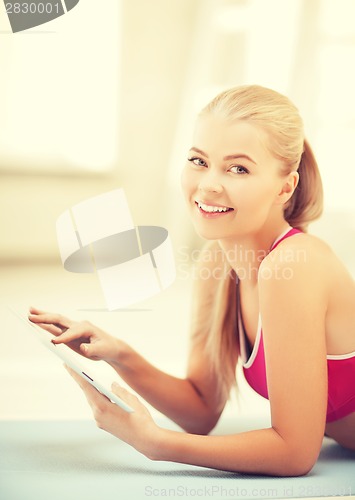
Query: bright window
59 91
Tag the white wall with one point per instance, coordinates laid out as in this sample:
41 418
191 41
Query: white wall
151 43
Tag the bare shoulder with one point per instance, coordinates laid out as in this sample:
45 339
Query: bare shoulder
303 253
302 265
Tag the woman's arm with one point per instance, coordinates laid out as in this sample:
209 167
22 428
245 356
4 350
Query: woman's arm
191 402
195 403
293 313
293 302
260 452
179 399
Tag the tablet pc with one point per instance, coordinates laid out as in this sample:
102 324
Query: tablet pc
65 353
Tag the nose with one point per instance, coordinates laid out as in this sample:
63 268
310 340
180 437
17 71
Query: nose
210 183
210 187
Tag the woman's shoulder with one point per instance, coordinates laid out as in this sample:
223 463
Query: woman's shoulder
305 257
300 266
301 248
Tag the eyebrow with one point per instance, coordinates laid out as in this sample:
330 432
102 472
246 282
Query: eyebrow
229 157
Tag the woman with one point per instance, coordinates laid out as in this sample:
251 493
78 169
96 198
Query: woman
273 294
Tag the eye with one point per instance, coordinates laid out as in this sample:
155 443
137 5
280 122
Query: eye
197 161
238 169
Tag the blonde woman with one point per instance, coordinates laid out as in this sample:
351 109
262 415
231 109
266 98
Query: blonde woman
270 294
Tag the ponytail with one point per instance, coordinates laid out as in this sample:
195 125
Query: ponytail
306 203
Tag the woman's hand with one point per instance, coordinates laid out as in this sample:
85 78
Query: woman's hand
136 428
83 337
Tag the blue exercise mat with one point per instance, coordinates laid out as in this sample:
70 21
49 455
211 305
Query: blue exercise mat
74 460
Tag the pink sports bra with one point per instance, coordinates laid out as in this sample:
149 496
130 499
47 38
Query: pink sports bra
341 368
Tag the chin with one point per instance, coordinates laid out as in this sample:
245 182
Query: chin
210 233
210 229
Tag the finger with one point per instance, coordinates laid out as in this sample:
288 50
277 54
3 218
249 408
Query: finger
51 318
35 310
55 319
55 330
77 331
95 349
89 350
126 396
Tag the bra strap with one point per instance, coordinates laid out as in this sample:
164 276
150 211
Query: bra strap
289 233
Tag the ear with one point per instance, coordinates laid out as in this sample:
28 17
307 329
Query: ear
288 188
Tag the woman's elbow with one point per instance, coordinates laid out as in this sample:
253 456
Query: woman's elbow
200 429
301 468
299 463
201 426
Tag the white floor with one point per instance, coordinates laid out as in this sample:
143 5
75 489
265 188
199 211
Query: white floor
33 383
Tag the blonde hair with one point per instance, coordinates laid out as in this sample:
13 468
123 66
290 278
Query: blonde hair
279 117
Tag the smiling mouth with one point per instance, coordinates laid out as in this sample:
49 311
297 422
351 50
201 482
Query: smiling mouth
211 209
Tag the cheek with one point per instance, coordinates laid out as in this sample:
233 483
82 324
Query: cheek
257 195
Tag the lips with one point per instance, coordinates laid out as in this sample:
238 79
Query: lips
208 211
212 209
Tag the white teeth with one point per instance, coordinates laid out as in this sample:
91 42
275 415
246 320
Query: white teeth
211 209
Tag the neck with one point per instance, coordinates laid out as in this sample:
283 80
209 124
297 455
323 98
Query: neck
246 252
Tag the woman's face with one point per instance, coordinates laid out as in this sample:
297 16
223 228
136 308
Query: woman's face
231 181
